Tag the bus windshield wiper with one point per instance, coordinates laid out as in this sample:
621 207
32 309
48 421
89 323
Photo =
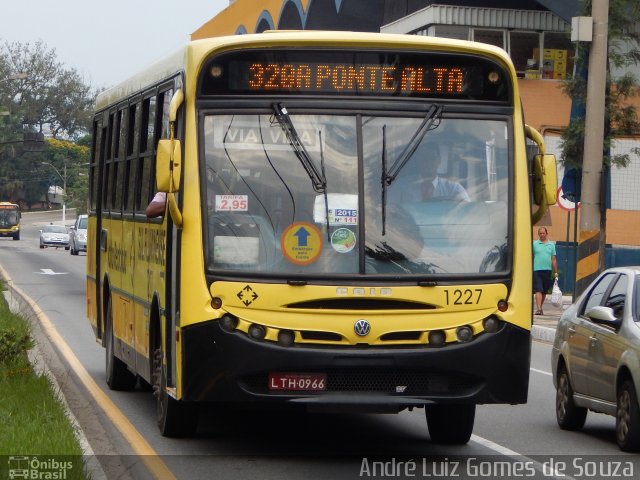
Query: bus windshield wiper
434 113
318 179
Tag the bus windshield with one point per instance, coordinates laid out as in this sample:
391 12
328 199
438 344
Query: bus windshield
439 207
9 217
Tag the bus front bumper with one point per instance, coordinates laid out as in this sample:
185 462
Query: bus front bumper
222 366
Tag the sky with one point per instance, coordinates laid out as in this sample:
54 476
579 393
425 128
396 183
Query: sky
106 42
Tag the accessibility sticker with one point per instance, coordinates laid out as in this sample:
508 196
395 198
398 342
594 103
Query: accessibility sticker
301 243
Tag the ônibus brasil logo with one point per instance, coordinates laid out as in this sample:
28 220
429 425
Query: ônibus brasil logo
38 468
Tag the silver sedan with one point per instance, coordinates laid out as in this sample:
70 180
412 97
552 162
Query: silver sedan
595 358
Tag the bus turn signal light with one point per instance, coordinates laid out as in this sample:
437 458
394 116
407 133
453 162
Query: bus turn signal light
216 303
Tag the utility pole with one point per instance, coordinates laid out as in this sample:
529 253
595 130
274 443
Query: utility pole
591 241
64 188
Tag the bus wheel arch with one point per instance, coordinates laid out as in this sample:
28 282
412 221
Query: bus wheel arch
175 418
118 375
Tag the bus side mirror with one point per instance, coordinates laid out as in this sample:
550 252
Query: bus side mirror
168 165
545 179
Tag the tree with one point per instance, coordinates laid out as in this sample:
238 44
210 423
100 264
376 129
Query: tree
76 158
52 98
38 94
621 117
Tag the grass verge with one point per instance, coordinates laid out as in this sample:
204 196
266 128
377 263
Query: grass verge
34 424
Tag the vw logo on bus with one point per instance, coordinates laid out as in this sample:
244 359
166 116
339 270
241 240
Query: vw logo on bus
362 328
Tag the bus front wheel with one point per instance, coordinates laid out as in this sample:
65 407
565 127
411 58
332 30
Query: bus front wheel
175 418
450 424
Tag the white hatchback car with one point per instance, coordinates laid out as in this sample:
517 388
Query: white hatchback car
54 236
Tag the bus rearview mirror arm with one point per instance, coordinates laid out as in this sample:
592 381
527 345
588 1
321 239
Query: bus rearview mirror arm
545 176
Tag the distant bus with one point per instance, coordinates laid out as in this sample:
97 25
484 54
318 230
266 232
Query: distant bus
299 262
10 220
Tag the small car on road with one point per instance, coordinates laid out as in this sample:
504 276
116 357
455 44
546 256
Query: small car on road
54 236
78 235
595 358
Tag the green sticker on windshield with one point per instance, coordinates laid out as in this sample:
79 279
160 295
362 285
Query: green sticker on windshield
343 240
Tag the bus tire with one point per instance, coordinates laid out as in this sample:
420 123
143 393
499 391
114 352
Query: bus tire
175 418
568 415
16 236
118 375
450 424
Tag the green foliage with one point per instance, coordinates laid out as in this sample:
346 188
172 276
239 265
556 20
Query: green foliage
14 336
32 418
13 344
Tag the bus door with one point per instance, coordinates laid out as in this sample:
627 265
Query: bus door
95 240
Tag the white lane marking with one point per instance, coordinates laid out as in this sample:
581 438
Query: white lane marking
518 457
496 447
541 371
48 271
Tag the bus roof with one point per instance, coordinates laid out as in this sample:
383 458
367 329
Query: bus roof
194 53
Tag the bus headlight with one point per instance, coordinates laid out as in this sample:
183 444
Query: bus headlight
228 322
257 332
491 324
464 334
286 338
437 338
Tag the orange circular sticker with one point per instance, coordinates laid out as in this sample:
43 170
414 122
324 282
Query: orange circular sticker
301 243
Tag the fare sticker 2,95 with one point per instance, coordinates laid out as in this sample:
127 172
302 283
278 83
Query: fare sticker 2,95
500 467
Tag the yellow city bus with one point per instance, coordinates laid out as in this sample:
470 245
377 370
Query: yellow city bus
297 264
10 220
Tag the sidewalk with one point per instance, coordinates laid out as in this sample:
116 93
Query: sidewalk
544 326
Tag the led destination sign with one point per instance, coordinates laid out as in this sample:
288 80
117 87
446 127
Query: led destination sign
363 73
348 78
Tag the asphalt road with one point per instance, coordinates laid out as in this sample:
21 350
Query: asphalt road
288 445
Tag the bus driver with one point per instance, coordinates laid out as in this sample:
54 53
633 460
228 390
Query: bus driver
425 183
432 185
